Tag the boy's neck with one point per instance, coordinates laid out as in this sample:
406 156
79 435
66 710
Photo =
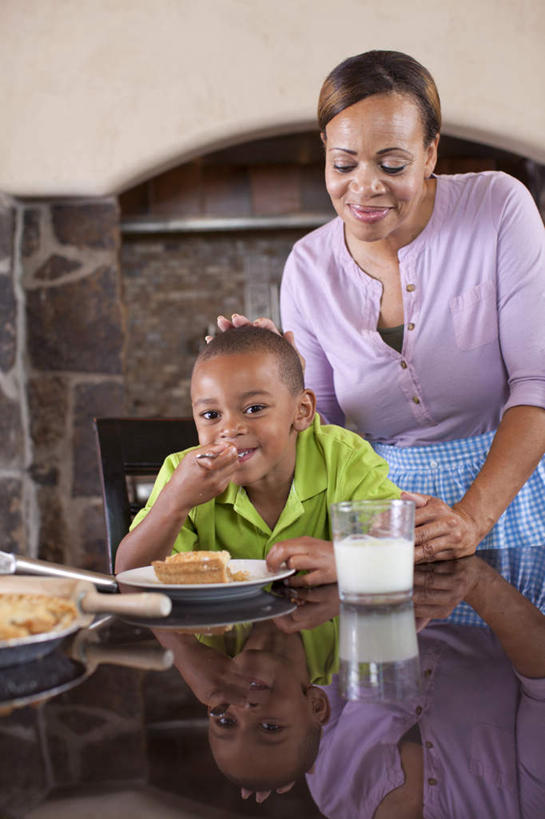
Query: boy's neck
270 501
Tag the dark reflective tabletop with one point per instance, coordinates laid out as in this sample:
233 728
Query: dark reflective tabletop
430 708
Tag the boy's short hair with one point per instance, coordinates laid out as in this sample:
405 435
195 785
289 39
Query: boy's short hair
251 339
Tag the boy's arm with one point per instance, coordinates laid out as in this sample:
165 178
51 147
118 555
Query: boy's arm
193 482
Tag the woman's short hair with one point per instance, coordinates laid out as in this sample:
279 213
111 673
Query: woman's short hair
380 72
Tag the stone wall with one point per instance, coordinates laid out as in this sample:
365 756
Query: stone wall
61 360
174 287
15 489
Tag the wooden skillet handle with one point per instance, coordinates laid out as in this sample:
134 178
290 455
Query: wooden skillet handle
145 604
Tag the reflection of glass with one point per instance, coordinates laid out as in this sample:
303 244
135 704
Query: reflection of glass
378 652
374 549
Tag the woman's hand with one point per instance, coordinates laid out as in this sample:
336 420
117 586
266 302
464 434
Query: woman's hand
305 553
442 532
237 320
439 587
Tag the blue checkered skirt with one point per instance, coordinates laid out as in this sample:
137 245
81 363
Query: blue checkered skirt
448 469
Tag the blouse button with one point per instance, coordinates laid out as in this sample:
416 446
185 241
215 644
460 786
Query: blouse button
418 709
410 326
432 781
416 399
429 744
428 672
404 365
411 287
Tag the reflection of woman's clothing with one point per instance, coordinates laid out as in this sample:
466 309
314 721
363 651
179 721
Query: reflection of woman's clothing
483 737
473 284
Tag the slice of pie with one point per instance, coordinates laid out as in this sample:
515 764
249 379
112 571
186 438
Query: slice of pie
193 567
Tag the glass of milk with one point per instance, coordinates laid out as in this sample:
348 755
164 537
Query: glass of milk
374 550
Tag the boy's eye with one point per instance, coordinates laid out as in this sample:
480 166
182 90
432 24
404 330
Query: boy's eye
270 727
210 415
254 408
393 168
225 722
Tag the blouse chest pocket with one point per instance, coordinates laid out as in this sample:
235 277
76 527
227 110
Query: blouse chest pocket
475 316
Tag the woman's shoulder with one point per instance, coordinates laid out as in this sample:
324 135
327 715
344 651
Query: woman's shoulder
496 185
322 239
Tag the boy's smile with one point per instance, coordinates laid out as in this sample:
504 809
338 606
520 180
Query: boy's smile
241 399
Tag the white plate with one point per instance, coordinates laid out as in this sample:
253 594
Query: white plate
260 576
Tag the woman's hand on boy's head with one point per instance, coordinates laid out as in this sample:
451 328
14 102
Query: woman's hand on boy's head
260 796
309 554
237 320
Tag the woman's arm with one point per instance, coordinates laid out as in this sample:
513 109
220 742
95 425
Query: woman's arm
517 623
443 532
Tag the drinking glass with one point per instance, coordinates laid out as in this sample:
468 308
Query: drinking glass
374 550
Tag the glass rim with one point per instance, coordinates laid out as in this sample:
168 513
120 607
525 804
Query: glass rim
368 504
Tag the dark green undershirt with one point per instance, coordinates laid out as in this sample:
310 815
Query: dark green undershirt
392 336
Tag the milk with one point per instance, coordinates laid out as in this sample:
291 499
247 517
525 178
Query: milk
379 634
369 566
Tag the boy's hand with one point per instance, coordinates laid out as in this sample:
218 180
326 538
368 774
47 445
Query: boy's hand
199 479
309 553
314 607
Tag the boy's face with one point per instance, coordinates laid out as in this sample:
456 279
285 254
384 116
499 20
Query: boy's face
264 741
241 399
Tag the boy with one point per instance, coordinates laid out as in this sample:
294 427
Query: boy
265 472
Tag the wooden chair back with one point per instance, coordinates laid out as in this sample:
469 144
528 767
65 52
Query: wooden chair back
134 447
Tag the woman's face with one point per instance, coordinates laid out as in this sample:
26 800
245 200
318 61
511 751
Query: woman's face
376 169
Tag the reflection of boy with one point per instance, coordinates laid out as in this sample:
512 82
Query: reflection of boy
273 469
265 708
271 743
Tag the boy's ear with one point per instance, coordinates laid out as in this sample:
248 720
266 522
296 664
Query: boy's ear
304 413
320 704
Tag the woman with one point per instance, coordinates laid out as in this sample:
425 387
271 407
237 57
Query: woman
419 311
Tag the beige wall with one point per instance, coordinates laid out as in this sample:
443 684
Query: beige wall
99 94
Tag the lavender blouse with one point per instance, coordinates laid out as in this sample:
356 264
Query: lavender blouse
474 302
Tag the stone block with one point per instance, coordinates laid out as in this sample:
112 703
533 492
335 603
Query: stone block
11 432
11 516
48 408
226 192
55 267
7 228
275 190
77 325
87 224
93 550
91 400
31 231
8 323
314 196
23 772
178 192
53 536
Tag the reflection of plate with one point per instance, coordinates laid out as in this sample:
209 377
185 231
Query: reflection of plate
26 649
39 680
259 576
200 616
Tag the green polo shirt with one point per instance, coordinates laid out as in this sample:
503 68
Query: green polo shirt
332 464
